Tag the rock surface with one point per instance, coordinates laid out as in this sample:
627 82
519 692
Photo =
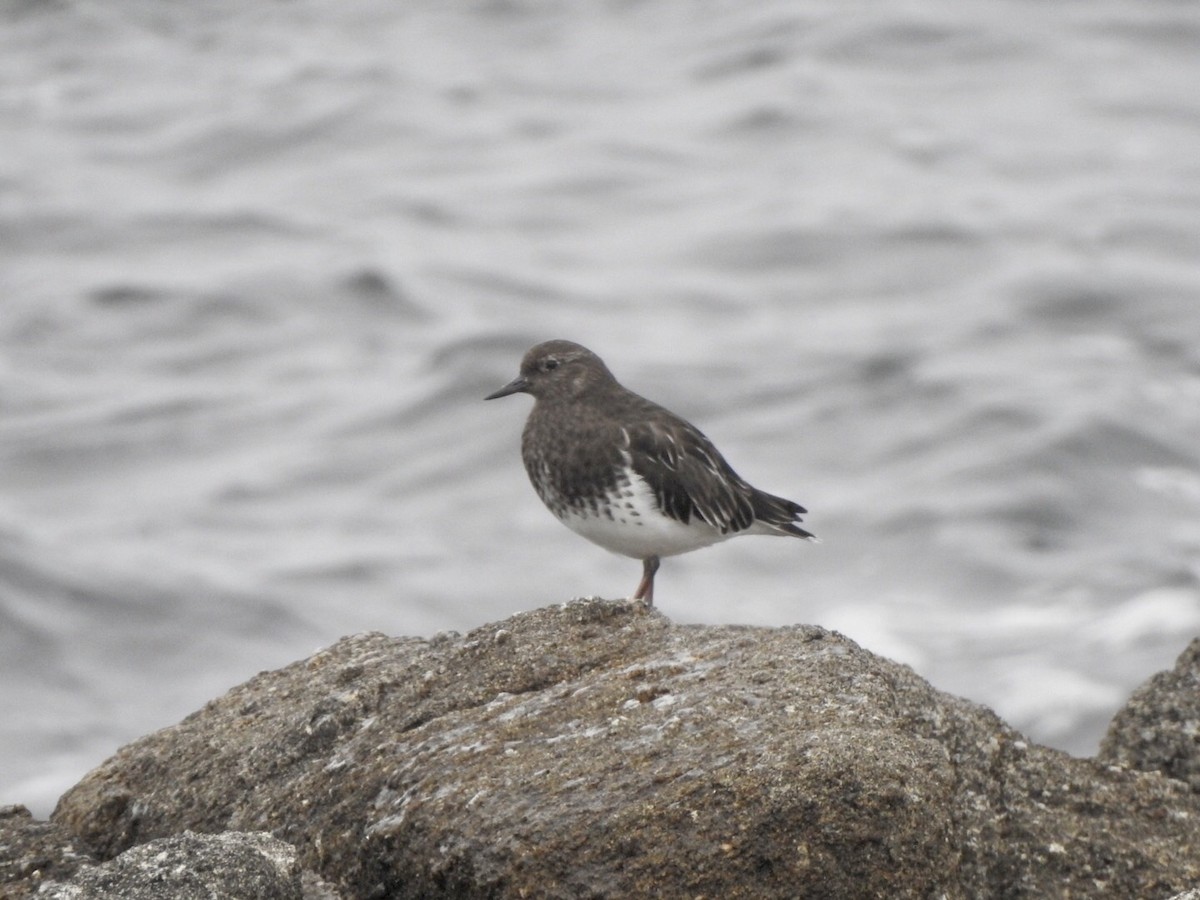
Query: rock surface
42 859
33 852
1158 730
190 866
598 750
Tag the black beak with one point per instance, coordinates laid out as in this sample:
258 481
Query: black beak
515 386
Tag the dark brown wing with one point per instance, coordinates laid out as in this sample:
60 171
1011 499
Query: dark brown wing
689 478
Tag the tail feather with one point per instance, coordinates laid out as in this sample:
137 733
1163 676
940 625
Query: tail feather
779 515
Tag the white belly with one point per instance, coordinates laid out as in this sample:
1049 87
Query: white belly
631 524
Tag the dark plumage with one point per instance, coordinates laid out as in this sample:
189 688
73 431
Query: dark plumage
628 474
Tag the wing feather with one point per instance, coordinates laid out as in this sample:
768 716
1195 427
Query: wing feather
689 476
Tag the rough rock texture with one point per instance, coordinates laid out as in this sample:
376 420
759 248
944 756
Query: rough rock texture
598 750
190 867
1158 730
33 852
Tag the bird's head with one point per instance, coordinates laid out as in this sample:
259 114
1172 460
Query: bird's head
557 370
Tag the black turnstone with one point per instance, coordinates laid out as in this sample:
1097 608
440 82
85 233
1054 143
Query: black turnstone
628 474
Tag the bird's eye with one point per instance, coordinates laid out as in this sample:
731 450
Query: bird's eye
551 363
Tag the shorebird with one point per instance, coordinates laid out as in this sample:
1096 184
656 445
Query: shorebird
628 474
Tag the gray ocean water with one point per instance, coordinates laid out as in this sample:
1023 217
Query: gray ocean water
931 268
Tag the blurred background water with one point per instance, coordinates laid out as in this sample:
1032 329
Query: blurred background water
928 267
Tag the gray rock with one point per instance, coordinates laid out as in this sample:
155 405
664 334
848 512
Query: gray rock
190 866
1158 730
34 852
598 750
